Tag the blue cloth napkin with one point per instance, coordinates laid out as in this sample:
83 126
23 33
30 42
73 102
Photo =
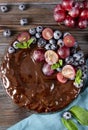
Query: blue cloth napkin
52 121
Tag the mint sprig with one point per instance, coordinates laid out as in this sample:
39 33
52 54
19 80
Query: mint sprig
78 76
57 65
80 114
25 45
69 124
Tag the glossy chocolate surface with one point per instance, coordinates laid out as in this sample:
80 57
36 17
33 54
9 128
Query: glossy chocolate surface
27 86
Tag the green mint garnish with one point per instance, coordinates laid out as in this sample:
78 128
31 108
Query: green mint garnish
78 76
69 124
25 45
57 65
80 114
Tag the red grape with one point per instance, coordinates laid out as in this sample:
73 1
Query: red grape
69 41
63 52
74 12
84 14
69 21
68 72
61 78
59 16
24 36
67 4
38 55
82 23
47 70
58 7
76 4
85 4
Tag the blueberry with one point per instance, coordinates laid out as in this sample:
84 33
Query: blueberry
7 33
39 29
41 42
84 68
60 43
78 85
11 49
14 44
22 7
52 41
67 115
24 21
59 69
4 8
84 75
73 50
66 33
48 46
81 54
69 60
34 39
76 57
32 31
81 61
75 63
53 46
38 35
57 34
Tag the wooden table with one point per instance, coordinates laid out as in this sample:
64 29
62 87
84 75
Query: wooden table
38 12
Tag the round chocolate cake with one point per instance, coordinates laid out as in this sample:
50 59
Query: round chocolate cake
43 69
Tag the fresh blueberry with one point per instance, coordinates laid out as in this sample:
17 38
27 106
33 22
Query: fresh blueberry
73 50
84 75
84 68
41 42
4 8
59 69
11 50
7 33
22 7
48 46
24 21
34 39
60 43
76 57
39 29
57 34
78 85
75 63
53 46
32 31
67 115
14 44
81 54
66 33
69 60
81 61
38 35
52 41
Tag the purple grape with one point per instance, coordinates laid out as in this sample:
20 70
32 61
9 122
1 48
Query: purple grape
47 70
38 55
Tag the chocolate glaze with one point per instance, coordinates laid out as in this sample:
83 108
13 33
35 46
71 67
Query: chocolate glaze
29 87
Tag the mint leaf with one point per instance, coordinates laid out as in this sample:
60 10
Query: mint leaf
21 46
29 42
77 80
69 124
57 65
79 73
80 114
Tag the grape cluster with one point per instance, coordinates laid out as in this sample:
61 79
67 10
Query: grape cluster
72 13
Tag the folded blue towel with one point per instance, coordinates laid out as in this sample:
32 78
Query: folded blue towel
52 121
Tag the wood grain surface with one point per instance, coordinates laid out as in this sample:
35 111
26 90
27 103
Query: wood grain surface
39 12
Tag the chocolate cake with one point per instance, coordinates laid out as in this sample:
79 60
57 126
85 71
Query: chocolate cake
43 69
